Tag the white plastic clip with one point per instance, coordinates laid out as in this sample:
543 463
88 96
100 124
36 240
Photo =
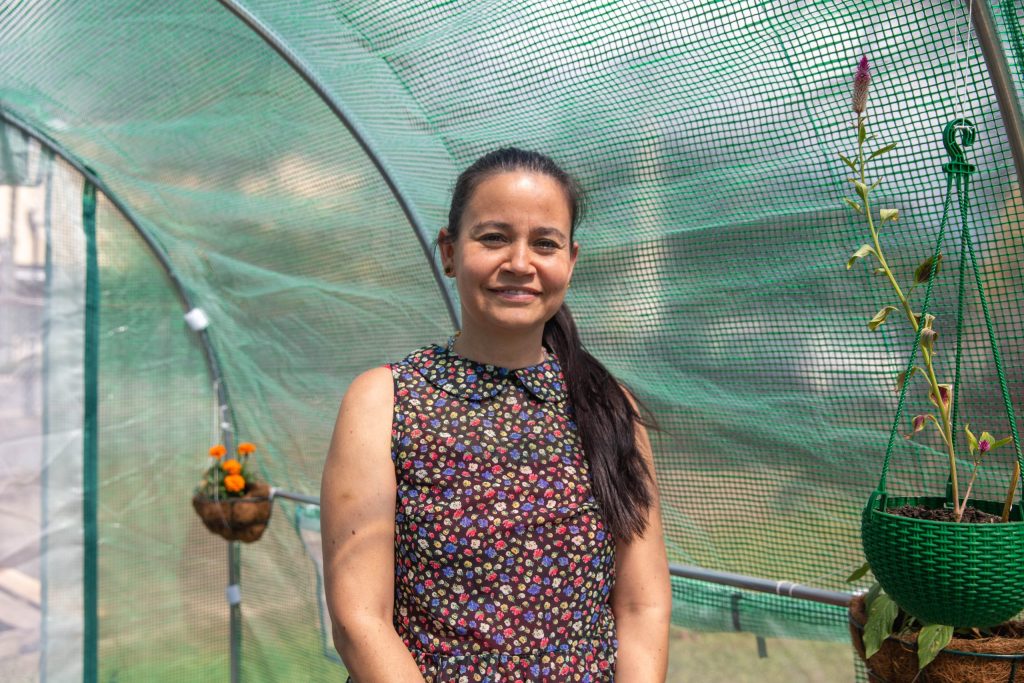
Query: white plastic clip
197 320
234 594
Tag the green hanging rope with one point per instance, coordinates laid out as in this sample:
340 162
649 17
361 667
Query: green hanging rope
960 575
1007 403
917 343
958 172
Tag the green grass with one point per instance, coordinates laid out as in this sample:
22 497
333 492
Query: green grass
733 658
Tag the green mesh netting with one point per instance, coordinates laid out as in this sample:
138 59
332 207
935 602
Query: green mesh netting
293 160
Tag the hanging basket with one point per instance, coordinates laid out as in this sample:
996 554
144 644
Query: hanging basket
958 574
236 519
999 659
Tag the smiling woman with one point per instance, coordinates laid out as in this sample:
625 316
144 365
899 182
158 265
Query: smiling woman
489 508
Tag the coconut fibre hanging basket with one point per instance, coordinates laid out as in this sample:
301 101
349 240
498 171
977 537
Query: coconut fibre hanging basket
242 518
953 573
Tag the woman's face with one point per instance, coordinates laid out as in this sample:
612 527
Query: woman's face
513 257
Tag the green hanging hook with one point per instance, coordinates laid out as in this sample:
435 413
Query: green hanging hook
967 131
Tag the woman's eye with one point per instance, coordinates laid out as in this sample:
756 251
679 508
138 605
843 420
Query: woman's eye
547 244
492 237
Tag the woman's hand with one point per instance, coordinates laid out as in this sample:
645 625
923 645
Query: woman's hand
642 597
357 518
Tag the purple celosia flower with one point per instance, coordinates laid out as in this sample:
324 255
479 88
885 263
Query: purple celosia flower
984 446
860 86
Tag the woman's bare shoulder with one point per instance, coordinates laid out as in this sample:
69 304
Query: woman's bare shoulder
364 418
373 388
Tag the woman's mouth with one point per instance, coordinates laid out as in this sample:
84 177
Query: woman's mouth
519 294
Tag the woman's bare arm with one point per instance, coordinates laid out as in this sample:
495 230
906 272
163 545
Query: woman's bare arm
642 597
357 517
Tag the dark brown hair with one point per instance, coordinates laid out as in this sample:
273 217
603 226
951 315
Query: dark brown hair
605 418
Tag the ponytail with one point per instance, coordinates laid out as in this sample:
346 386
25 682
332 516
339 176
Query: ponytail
606 422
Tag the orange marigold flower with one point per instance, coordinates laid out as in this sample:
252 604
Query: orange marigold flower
245 448
217 451
231 466
234 483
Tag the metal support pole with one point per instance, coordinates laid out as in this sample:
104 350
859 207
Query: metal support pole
304 71
784 588
1002 82
234 597
300 497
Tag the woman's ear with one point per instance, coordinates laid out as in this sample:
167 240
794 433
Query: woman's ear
447 249
574 251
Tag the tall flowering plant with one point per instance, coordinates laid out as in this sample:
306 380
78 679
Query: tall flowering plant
936 577
939 393
228 477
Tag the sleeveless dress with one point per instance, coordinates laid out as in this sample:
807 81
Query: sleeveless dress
503 565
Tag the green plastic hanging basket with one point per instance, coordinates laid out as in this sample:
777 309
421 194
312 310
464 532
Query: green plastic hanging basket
957 574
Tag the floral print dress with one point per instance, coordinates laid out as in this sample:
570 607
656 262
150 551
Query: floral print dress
503 565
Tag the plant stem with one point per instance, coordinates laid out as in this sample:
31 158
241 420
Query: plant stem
945 428
1012 490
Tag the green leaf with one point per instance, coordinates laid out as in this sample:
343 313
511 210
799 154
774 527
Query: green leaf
917 424
903 377
888 215
985 436
945 392
930 642
859 573
879 271
856 207
862 132
881 617
924 271
848 162
972 441
876 183
862 190
928 337
864 250
883 150
873 592
880 317
1002 442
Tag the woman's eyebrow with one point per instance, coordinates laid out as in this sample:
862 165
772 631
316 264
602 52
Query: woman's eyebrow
541 231
491 224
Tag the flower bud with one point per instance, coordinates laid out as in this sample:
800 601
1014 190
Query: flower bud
860 86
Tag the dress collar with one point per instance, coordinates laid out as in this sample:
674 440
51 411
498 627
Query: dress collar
460 376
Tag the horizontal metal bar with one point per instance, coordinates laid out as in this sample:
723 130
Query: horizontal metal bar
785 588
301 497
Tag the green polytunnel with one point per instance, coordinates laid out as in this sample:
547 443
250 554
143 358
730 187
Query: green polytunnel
284 168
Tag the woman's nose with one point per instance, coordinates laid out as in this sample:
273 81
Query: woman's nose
519 258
